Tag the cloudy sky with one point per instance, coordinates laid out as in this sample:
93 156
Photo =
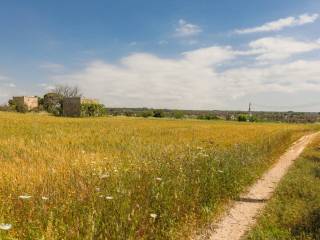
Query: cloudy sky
197 54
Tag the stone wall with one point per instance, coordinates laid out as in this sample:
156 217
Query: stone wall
72 107
30 102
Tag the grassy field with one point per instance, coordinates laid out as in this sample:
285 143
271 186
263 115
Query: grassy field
126 178
294 212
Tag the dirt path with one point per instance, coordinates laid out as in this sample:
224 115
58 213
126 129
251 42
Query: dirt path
241 216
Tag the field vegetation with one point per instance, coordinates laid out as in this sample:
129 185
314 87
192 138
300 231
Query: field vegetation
126 178
294 211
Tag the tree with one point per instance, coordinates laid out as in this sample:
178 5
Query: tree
67 91
52 102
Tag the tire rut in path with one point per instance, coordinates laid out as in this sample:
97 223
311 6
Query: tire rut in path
241 216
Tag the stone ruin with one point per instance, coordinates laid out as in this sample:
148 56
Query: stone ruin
30 102
72 105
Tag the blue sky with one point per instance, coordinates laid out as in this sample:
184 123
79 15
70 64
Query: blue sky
169 53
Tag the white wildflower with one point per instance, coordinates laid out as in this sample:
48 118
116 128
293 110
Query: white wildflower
109 197
220 171
24 197
106 175
159 179
153 215
44 198
5 226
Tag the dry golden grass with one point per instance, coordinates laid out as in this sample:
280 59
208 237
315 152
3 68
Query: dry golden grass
126 178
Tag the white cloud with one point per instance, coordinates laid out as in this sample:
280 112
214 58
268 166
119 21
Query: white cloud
196 80
288 77
279 48
281 24
186 29
146 80
209 56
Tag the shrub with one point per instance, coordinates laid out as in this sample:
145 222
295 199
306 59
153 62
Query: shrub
253 118
178 114
242 118
129 113
52 103
92 110
6 108
158 114
147 113
21 108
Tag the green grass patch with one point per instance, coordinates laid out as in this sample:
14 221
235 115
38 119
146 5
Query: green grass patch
294 211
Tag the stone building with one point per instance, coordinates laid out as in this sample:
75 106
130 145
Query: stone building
30 102
71 107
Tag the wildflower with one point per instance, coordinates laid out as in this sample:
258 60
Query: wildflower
109 197
159 179
5 226
24 197
220 171
104 176
44 198
97 189
153 215
101 196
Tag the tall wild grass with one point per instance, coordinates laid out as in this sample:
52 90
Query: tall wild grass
126 178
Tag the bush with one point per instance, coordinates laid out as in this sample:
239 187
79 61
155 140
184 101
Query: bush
253 119
52 103
242 118
178 114
129 113
21 108
247 118
6 108
92 110
158 114
147 113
